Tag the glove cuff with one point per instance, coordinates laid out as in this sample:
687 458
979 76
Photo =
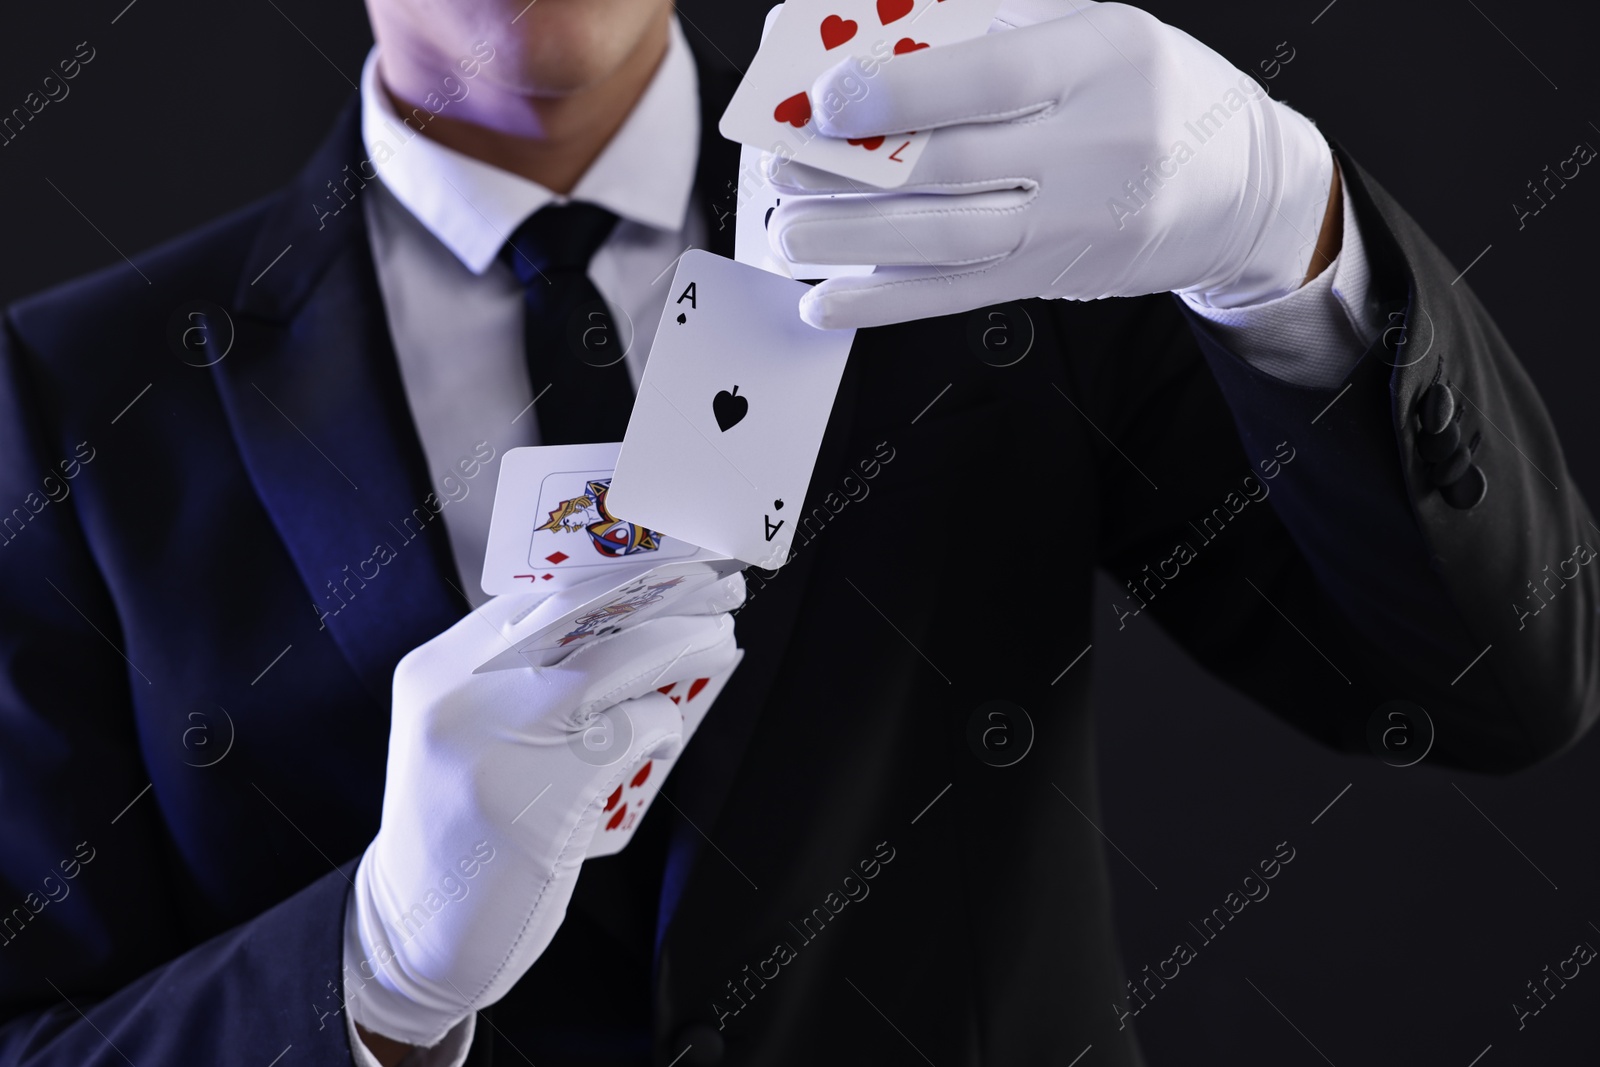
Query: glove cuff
371 978
1293 174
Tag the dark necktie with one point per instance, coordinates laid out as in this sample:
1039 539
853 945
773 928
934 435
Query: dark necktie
575 357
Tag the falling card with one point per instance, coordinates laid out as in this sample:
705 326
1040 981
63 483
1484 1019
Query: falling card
731 412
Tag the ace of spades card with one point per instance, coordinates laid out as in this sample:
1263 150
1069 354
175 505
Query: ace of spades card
730 414
772 108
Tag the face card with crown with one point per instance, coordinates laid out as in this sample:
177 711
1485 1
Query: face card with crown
627 804
552 525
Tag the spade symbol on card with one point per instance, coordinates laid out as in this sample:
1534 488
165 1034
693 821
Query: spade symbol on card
729 409
682 318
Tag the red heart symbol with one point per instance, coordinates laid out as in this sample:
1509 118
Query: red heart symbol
616 820
796 110
697 685
871 144
611 801
890 10
906 44
644 773
836 31
666 688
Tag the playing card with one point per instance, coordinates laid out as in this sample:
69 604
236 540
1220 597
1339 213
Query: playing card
626 805
731 412
613 605
552 527
772 108
757 200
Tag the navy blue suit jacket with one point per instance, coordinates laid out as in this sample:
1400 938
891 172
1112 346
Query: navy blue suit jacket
192 740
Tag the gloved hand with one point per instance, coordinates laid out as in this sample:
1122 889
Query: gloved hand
1090 151
495 786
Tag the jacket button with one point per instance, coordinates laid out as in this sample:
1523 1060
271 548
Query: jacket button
1453 469
698 1045
1436 446
1468 490
1437 408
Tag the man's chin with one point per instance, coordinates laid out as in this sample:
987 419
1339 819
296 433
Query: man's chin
570 46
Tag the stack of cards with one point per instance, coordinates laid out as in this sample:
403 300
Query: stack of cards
553 531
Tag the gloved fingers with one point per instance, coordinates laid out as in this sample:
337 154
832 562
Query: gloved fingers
651 654
657 728
895 294
977 80
914 230
717 599
996 77
962 159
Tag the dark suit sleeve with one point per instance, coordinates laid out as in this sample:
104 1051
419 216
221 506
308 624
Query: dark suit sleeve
95 964
1320 569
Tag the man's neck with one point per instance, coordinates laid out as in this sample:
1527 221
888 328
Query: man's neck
549 140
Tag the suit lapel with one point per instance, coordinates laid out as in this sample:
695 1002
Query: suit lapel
314 396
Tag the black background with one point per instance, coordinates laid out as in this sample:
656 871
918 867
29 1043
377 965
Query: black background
1420 903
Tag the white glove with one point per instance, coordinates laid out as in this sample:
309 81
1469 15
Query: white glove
1092 151
495 786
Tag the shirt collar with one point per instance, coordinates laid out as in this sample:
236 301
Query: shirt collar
645 173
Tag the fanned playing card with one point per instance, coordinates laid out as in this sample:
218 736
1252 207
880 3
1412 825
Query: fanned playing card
730 414
772 109
757 201
606 605
627 804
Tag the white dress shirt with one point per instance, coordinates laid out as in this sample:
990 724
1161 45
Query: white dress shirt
437 220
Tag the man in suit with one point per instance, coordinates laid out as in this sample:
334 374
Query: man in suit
222 548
